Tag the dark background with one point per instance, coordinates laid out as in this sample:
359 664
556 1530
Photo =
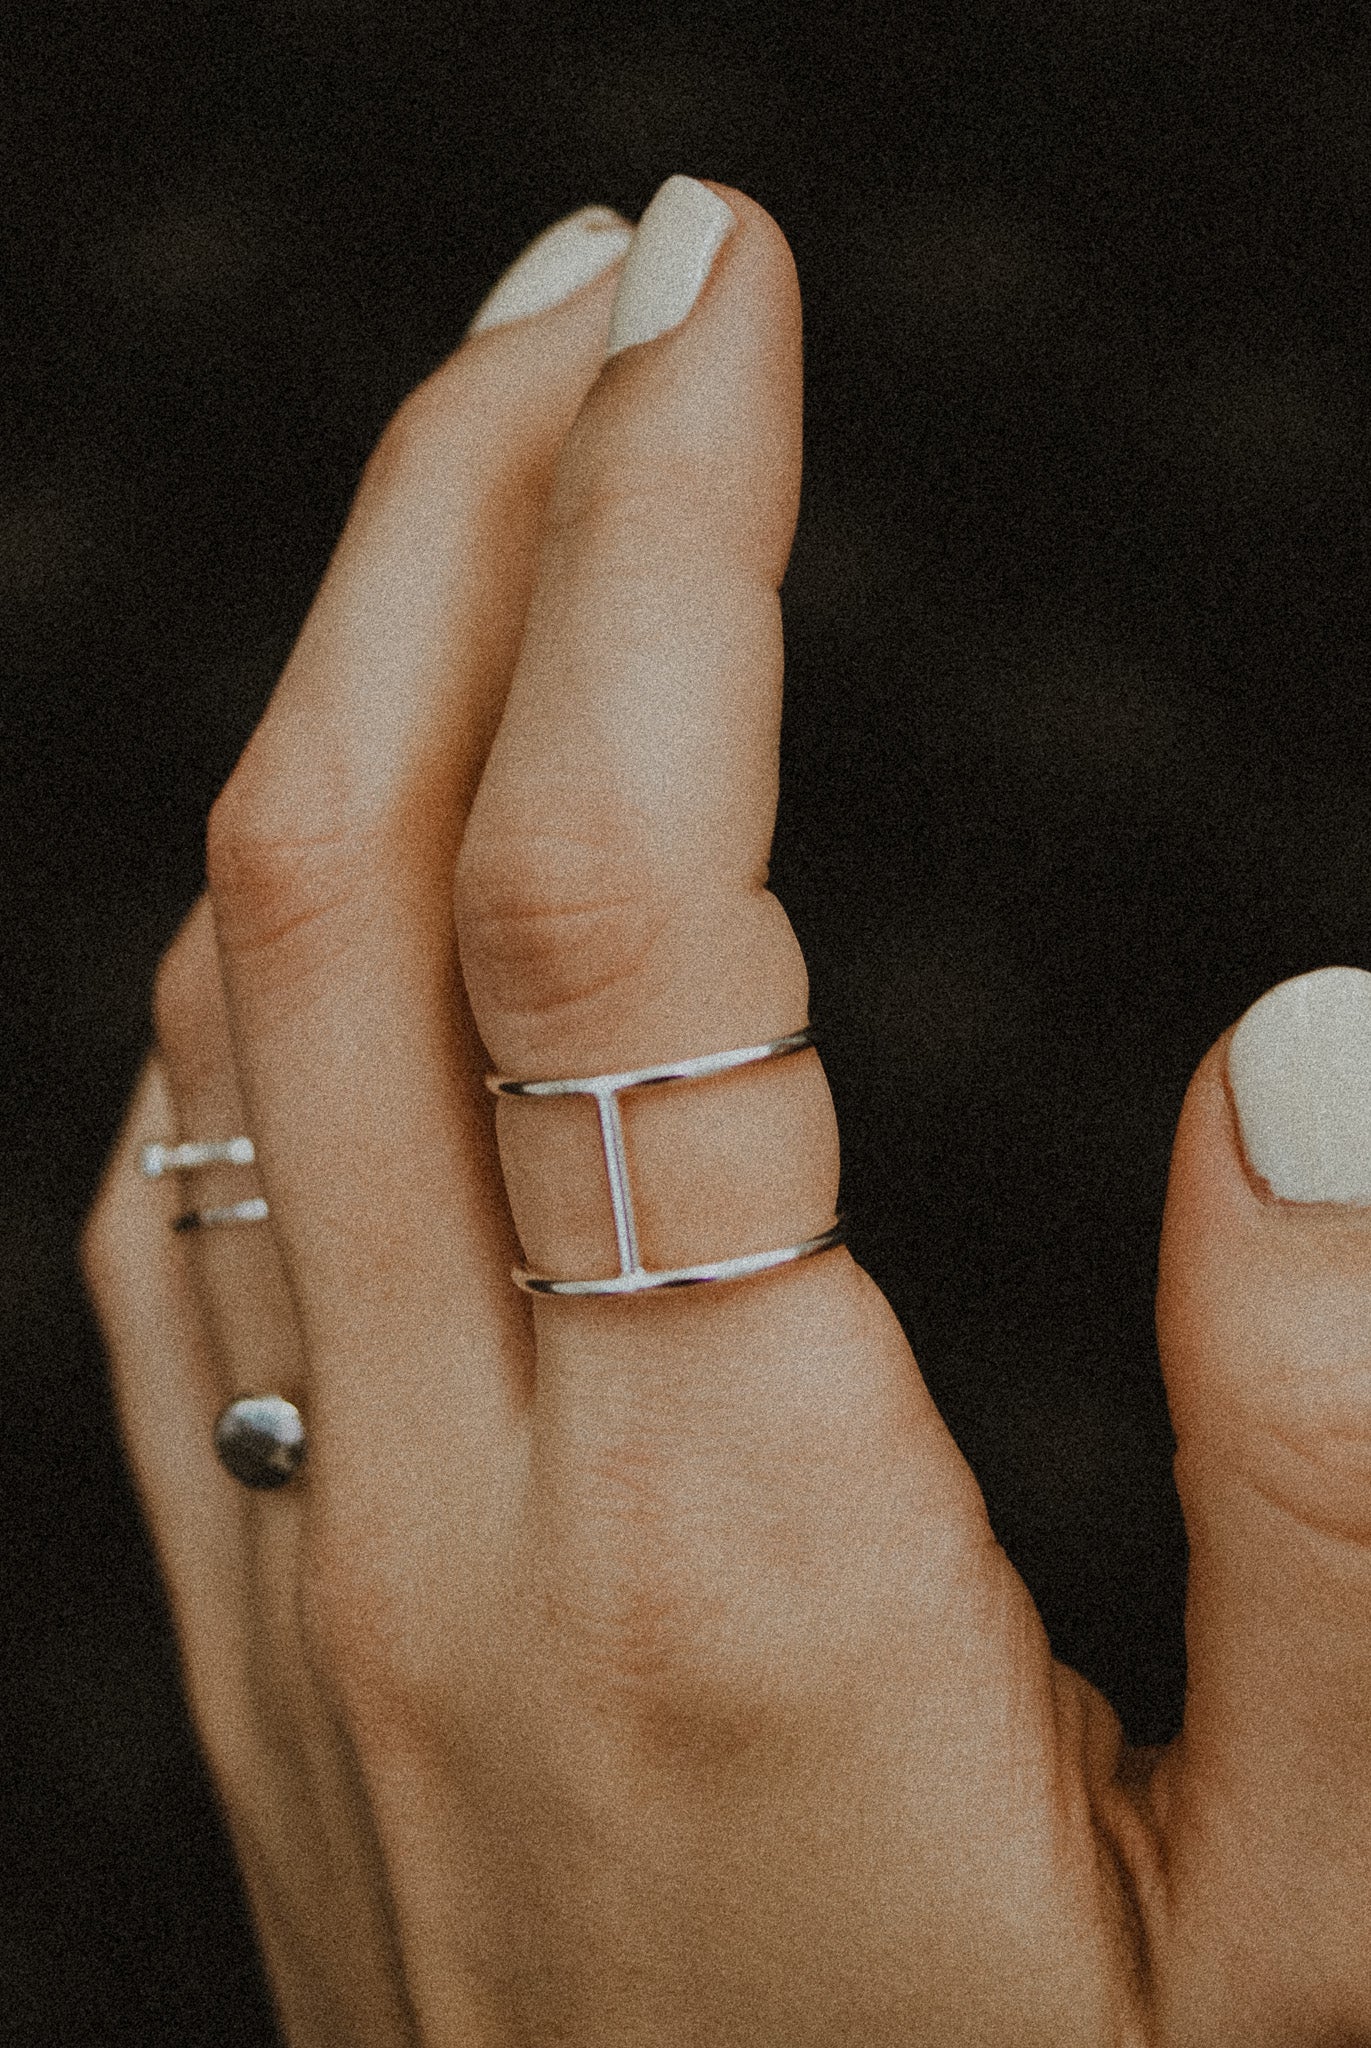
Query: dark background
1076 734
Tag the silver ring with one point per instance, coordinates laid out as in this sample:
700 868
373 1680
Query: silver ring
253 1210
633 1277
155 1160
669 1070
639 1279
260 1439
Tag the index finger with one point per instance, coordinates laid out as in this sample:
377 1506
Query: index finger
330 858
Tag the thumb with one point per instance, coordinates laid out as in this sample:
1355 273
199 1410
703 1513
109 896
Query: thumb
1264 1321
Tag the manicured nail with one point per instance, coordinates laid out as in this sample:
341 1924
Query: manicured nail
563 258
673 250
1299 1065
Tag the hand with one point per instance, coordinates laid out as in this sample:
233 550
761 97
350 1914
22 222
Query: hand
645 1671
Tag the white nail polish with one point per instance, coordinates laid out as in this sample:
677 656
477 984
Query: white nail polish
1299 1065
563 258
673 251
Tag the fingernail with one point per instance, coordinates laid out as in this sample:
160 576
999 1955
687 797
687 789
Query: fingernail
553 266
673 251
1299 1066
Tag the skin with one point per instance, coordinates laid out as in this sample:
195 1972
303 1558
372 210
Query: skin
645 1671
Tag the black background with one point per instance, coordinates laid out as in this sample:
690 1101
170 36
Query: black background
1076 732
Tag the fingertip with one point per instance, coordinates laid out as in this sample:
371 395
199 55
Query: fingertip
763 269
699 400
1299 1070
756 273
555 266
1261 1300
764 234
699 240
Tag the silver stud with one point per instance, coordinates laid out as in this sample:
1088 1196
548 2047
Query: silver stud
155 1160
260 1438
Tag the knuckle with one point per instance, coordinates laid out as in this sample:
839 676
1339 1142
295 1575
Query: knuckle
648 1658
650 1629
549 921
269 880
1311 1460
374 1647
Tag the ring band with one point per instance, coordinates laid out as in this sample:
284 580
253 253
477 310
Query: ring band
670 1070
633 1277
155 1160
253 1210
640 1280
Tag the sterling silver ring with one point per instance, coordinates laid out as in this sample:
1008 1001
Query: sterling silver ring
155 1160
633 1277
253 1210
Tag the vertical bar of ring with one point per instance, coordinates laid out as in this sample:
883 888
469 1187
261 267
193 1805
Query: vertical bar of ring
616 1166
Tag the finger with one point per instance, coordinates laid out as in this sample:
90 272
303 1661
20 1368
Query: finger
747 1515
235 1270
304 1839
1264 1317
189 1321
330 864
611 895
167 1392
